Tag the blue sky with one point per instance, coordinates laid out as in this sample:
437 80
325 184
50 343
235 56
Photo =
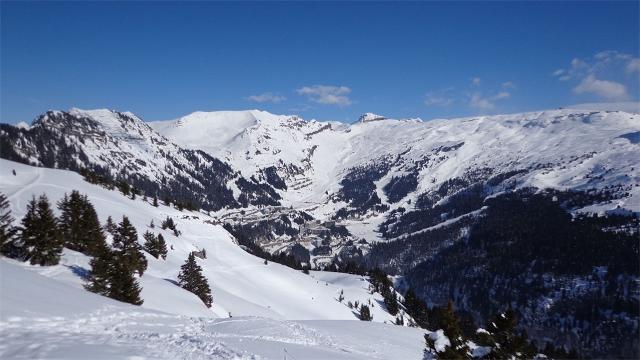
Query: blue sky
330 61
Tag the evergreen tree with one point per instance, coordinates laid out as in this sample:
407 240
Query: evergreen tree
102 273
162 247
150 244
505 341
40 234
10 245
124 286
155 201
450 325
112 276
417 309
125 243
191 279
79 224
390 300
365 313
110 227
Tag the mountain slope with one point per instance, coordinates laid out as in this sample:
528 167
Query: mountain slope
372 168
241 283
121 147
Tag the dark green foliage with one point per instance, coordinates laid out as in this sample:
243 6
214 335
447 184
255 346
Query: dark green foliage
418 309
168 223
526 247
102 271
112 276
124 286
161 246
125 244
450 326
505 340
156 246
191 279
382 284
40 233
10 244
359 189
79 224
110 226
390 300
365 313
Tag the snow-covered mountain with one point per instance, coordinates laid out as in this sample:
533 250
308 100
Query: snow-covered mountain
119 146
370 168
419 199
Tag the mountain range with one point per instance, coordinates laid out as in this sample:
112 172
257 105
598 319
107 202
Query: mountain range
533 211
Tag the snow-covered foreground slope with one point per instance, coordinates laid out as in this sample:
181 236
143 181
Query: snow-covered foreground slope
241 283
44 318
37 302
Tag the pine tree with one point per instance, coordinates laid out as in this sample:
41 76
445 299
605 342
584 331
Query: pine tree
155 201
110 227
150 244
40 233
365 313
125 243
10 244
162 247
450 325
102 273
79 224
191 279
124 286
505 341
390 300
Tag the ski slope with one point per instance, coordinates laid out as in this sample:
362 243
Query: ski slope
45 310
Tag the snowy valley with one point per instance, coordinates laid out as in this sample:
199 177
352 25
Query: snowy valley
452 209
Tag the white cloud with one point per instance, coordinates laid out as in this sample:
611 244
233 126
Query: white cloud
327 94
610 90
439 98
508 85
590 74
476 81
633 65
267 97
487 103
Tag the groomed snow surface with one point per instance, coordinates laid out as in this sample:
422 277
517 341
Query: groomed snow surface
276 311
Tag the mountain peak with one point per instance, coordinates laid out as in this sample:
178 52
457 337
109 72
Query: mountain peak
368 117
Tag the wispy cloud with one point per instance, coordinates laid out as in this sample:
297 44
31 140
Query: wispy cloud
267 97
476 81
592 75
508 85
439 98
609 90
478 101
327 94
633 65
